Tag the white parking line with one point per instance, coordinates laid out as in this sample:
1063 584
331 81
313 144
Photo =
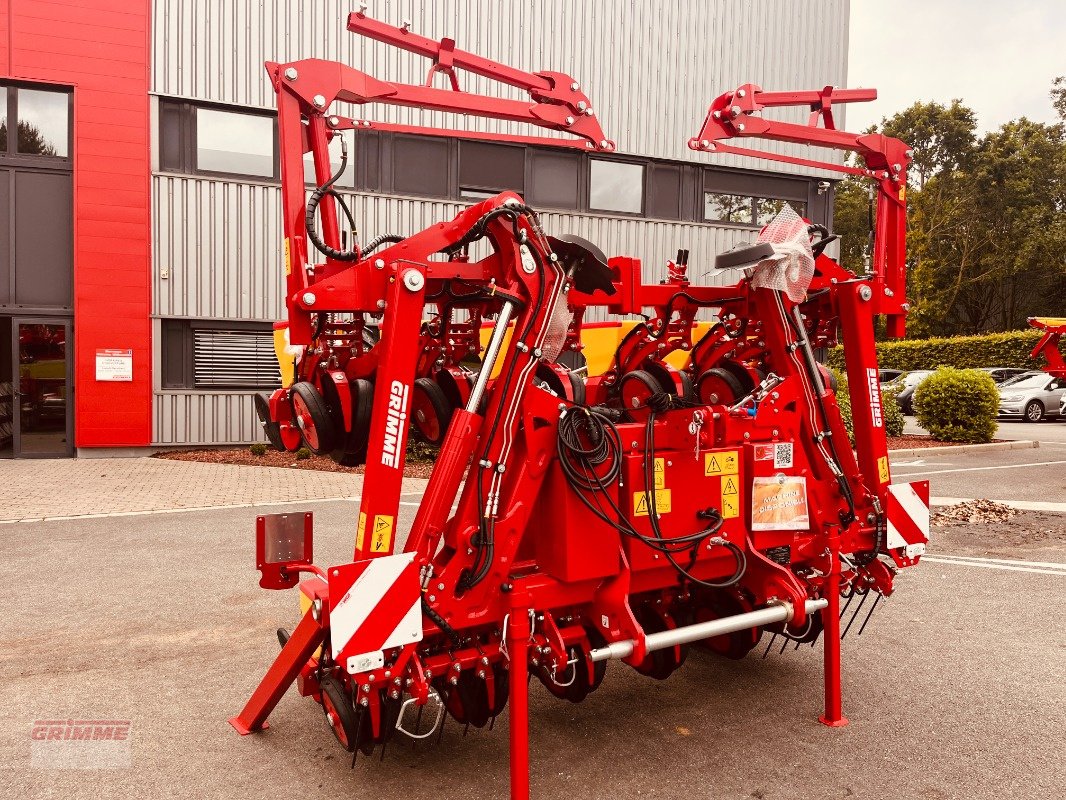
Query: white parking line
1049 564
982 469
989 565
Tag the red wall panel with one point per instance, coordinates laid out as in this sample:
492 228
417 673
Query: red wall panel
100 47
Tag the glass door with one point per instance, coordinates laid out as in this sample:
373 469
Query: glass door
43 423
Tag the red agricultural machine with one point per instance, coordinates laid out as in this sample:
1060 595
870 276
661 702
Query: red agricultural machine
1054 329
570 522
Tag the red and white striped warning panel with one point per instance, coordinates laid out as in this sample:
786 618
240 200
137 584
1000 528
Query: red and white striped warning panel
908 517
374 605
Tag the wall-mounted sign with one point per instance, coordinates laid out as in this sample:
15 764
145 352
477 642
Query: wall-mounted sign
114 365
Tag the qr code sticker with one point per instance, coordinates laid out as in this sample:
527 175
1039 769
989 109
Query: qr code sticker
782 455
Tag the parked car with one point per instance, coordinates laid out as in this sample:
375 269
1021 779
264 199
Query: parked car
1001 374
905 386
889 375
1027 374
1033 398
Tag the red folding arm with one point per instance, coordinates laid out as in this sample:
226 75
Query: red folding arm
737 114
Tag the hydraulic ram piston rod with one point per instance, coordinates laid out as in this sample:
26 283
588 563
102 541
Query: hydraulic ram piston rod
705 630
491 353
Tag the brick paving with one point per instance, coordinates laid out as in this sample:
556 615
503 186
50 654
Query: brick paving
47 488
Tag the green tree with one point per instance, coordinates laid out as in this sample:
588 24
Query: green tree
1058 96
941 137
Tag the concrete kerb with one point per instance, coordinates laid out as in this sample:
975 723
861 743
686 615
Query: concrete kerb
1023 444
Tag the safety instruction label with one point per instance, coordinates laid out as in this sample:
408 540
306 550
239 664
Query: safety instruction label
288 257
660 473
729 485
360 533
882 469
730 506
662 502
382 535
779 504
726 462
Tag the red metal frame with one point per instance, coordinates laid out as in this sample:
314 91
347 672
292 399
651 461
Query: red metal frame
1048 346
736 114
502 591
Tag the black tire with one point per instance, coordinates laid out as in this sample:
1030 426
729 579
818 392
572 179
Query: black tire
664 374
717 386
738 371
430 411
642 384
313 418
449 383
577 386
1034 411
270 427
353 451
337 706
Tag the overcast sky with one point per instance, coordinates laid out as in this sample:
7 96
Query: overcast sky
998 57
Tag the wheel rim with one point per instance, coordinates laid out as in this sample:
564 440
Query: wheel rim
333 717
426 417
305 422
1034 412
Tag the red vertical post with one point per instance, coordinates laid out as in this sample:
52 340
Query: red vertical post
834 714
518 633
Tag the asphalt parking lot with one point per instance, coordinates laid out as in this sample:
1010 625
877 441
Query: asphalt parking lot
954 690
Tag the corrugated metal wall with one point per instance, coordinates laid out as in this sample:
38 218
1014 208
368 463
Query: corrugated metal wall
651 70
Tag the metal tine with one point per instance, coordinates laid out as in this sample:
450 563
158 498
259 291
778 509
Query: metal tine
418 725
767 651
851 596
492 723
798 643
358 727
870 614
858 608
466 730
443 719
784 645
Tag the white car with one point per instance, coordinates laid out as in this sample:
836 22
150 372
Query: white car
1033 398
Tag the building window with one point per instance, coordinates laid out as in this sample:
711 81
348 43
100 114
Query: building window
727 208
35 122
555 178
421 166
486 169
209 355
196 138
238 143
766 209
616 186
664 191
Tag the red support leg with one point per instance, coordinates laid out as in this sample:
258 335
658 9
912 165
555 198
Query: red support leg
834 715
296 652
518 633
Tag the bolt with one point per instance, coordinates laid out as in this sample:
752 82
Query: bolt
291 74
379 263
319 101
897 167
889 293
741 93
413 280
334 120
605 144
440 586
705 142
589 112
582 105
865 292
365 687
740 127
573 86
481 674
381 304
735 111
364 702
309 298
717 115
395 695
747 436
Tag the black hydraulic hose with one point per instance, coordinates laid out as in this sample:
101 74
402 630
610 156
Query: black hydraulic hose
312 206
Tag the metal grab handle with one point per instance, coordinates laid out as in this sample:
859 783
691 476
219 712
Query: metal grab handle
440 713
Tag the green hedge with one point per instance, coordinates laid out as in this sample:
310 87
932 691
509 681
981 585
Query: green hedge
957 405
1009 349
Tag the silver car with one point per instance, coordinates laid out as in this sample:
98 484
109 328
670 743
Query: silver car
1033 398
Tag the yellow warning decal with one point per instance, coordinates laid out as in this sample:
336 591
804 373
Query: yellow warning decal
382 541
729 486
288 257
903 192
730 506
662 502
724 463
660 473
360 534
882 469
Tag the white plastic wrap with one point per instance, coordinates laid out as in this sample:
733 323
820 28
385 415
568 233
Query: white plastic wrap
793 267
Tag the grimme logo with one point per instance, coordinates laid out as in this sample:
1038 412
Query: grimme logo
394 421
80 743
874 385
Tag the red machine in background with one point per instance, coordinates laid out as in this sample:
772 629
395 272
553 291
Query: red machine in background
567 522
1054 328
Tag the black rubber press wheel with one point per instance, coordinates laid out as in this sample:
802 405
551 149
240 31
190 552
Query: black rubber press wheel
313 418
430 411
337 706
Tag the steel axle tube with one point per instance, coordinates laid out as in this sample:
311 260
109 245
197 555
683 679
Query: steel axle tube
705 630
